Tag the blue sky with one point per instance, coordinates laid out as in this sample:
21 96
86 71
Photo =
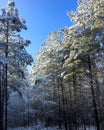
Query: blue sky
42 17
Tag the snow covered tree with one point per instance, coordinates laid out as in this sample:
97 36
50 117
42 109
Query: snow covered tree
75 62
87 45
13 49
46 68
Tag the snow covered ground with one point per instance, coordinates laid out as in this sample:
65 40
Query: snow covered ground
33 128
40 127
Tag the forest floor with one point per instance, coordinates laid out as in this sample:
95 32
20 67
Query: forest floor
40 127
34 128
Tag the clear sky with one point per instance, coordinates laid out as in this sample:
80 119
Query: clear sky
42 17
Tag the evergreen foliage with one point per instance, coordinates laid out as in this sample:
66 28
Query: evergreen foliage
65 86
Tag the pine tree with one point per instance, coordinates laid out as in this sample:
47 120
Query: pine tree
13 49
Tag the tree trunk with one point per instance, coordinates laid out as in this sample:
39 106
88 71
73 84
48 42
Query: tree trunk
59 101
64 106
93 95
74 103
6 79
1 99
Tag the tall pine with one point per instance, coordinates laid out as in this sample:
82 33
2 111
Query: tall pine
13 50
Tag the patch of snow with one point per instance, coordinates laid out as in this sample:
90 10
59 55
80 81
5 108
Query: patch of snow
40 126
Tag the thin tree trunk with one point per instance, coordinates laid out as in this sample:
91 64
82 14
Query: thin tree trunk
70 108
93 95
1 99
60 116
74 104
64 106
6 80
